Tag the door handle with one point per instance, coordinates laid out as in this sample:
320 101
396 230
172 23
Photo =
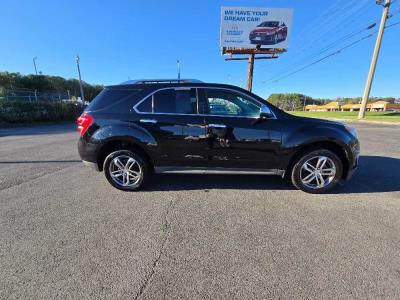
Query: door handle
217 125
152 121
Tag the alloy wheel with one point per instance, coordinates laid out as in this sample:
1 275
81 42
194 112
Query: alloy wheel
317 172
125 171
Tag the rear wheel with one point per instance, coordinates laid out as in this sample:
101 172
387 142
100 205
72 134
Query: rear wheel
317 171
126 170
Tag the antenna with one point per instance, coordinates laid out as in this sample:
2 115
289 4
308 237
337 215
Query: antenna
178 63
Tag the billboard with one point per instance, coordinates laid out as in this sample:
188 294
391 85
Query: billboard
247 27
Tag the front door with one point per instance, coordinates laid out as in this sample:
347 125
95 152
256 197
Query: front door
236 136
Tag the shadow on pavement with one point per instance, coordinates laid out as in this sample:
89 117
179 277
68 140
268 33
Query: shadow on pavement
39 161
174 182
38 130
376 174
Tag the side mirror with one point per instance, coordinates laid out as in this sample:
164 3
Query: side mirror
265 112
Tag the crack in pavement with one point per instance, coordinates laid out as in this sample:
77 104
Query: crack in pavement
27 180
166 226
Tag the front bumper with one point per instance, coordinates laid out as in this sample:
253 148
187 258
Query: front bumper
352 169
354 162
261 38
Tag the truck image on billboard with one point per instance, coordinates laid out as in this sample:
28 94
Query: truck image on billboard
247 27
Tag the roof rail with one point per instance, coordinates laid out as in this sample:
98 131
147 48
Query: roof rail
150 81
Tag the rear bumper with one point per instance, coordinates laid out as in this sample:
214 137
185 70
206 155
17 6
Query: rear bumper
88 153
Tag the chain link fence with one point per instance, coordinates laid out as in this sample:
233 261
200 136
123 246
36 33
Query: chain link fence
27 95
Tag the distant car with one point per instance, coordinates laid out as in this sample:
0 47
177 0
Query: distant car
132 130
269 33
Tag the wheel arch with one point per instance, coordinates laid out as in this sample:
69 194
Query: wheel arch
331 145
121 144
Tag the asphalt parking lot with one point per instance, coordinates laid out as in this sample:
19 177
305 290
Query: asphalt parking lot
66 233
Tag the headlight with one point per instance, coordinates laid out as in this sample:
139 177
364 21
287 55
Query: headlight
351 130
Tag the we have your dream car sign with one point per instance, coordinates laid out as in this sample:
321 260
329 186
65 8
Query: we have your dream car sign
247 27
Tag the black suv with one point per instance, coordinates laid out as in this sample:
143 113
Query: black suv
134 129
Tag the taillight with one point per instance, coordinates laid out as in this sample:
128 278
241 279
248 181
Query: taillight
84 121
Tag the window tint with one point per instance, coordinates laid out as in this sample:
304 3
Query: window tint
171 101
109 97
186 101
146 105
222 102
164 101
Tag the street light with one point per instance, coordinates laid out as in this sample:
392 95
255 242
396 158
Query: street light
80 79
34 64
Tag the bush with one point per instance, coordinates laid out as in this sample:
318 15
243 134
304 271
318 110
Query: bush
31 112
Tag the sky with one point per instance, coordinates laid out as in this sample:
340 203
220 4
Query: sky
122 40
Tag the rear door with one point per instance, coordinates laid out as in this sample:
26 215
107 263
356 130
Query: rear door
171 116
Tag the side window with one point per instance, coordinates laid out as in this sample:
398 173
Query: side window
146 105
180 101
164 101
223 102
114 100
186 101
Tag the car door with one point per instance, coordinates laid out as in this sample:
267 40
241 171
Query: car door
236 136
171 116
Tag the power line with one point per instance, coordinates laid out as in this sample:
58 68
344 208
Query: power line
325 57
330 46
334 53
332 22
346 16
391 25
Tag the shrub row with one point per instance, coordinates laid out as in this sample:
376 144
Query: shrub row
31 112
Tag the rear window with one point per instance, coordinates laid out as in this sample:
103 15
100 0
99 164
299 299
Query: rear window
171 101
114 99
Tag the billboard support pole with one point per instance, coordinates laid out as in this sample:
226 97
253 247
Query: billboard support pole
250 72
252 53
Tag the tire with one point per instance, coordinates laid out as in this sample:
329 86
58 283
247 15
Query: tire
126 170
275 39
311 175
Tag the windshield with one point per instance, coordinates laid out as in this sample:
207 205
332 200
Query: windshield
269 24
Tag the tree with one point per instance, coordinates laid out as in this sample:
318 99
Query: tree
44 83
292 101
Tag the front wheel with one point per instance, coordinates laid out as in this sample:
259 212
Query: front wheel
126 170
275 38
317 171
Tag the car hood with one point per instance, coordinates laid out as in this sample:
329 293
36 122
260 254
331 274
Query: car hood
265 29
320 121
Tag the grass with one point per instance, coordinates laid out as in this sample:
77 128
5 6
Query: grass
350 115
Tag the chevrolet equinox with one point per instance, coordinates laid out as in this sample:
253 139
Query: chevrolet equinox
137 128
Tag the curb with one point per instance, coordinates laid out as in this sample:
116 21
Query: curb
364 121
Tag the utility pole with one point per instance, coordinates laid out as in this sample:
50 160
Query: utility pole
80 79
178 64
34 64
374 60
